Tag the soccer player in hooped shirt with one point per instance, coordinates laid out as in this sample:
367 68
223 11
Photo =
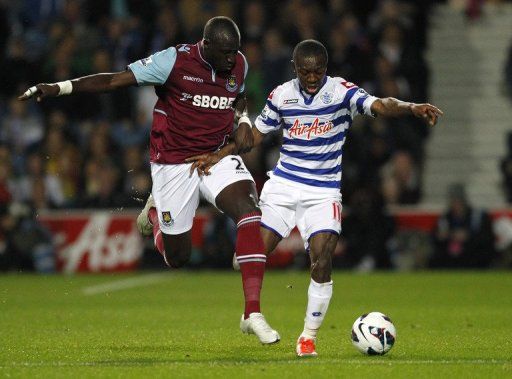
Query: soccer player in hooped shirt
197 85
314 112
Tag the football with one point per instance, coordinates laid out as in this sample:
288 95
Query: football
373 333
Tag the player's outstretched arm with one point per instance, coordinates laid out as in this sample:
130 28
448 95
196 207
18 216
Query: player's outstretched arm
391 107
103 82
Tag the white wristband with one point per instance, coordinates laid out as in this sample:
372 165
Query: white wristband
244 119
65 88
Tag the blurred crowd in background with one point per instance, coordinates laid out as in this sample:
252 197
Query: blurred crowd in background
91 151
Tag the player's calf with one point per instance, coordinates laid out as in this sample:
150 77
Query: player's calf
321 267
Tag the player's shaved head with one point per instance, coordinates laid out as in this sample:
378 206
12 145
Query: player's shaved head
310 48
221 28
221 42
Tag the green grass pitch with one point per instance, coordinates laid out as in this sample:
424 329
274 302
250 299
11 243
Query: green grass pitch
185 324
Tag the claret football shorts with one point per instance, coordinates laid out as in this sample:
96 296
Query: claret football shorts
176 192
285 205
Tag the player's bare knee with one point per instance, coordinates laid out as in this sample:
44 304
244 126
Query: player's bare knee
177 254
247 206
177 260
177 263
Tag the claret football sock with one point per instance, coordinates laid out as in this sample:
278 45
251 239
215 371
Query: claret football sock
319 296
251 258
157 234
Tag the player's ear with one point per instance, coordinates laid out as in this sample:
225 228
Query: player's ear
293 66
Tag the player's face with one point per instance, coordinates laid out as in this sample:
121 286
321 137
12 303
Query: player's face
310 72
221 54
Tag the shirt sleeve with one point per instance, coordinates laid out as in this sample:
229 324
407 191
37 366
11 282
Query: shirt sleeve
269 119
155 69
361 102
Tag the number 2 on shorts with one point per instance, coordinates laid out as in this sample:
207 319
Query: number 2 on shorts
239 165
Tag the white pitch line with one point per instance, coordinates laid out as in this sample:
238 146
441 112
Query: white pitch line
370 361
119 285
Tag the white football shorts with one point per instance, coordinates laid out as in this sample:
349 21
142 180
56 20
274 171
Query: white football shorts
176 192
285 204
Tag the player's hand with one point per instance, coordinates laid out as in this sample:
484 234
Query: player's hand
40 92
202 163
427 112
239 105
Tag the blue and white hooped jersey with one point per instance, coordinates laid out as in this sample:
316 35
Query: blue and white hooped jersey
314 129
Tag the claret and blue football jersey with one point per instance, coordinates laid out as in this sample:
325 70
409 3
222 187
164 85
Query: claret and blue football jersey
193 114
314 129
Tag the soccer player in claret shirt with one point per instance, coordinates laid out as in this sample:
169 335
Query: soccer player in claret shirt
197 85
314 112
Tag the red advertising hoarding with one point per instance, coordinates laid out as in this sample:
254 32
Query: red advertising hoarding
108 241
100 241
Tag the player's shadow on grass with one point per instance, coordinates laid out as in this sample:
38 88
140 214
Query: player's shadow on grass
180 354
231 360
141 348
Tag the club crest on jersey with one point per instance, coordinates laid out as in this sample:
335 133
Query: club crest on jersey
231 85
327 97
166 218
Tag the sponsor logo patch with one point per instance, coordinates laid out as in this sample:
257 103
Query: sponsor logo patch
316 314
231 85
185 96
291 101
316 128
213 102
348 84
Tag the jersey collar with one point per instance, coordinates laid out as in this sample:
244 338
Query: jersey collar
199 46
308 99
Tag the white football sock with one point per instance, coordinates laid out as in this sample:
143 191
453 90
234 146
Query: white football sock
319 295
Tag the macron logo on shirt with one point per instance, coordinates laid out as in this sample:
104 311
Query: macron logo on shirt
193 79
